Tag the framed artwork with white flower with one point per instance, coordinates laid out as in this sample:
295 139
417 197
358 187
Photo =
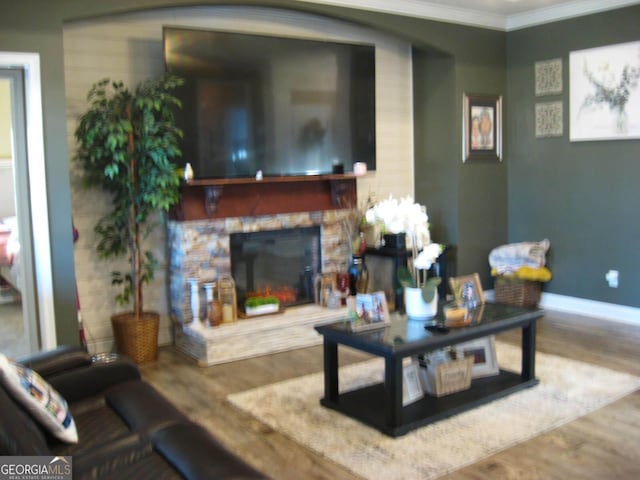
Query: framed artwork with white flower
605 93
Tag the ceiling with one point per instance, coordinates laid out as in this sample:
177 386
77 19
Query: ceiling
495 14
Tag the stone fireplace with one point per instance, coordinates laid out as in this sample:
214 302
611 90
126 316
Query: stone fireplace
204 246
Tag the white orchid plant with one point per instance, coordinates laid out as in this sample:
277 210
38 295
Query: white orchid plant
402 216
406 216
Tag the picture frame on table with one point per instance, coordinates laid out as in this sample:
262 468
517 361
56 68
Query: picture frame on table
483 351
482 128
366 311
467 290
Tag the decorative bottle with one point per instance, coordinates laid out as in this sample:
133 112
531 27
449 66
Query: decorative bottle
214 311
358 275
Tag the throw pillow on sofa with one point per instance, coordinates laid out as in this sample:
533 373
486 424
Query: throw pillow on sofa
39 398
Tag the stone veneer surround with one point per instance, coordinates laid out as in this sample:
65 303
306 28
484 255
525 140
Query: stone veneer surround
200 248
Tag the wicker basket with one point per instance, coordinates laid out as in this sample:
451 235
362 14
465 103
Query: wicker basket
515 291
137 338
447 378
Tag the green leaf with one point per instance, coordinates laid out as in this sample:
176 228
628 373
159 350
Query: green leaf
405 279
429 288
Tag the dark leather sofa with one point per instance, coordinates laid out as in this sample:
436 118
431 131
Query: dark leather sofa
126 428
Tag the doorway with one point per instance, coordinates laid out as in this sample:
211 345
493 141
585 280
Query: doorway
18 320
28 276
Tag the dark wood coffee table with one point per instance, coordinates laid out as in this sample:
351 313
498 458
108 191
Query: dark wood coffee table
380 406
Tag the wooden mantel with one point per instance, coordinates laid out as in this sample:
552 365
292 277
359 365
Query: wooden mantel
248 197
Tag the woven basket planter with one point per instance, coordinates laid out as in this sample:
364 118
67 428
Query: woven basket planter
518 292
137 338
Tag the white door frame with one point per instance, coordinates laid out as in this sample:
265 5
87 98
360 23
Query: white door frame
30 63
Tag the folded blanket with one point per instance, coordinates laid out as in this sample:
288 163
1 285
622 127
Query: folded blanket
509 258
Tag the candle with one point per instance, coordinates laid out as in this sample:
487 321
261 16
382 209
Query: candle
227 313
359 169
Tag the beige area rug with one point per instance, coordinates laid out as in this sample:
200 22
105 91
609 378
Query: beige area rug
568 389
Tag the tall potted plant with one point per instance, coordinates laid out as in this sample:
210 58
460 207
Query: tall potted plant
127 145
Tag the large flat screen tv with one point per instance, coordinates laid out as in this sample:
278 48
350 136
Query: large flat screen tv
283 106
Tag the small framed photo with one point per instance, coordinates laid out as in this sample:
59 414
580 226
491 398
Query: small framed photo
483 351
367 310
482 128
467 290
411 386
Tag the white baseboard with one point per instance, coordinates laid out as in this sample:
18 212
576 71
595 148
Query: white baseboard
581 306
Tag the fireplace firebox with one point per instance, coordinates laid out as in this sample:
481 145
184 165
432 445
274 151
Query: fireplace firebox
282 263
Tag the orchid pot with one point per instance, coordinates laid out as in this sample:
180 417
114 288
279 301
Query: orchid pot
415 305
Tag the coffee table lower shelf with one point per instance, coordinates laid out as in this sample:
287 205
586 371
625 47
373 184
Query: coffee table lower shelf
367 404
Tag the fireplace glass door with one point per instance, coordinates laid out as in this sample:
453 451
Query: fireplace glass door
282 263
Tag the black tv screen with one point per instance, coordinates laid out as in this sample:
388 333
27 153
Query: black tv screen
283 106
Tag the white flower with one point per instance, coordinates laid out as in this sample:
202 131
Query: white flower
427 256
403 215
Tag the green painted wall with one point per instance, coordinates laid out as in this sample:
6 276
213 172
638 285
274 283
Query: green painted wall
467 202
583 196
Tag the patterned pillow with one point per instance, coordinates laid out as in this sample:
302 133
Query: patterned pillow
39 398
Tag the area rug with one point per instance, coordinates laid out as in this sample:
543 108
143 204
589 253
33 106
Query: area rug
568 389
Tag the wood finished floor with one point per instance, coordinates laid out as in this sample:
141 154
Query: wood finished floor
603 445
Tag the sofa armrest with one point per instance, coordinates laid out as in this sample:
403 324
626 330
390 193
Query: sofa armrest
57 360
93 379
199 456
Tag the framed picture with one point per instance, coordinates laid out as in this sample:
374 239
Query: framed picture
605 93
411 386
548 77
482 127
467 290
367 310
549 119
483 351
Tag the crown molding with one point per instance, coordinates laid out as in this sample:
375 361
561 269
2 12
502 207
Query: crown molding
423 9
478 18
562 12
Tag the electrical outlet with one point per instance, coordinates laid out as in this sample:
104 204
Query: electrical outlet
612 278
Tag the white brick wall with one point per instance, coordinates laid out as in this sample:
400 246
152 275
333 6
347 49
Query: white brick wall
129 48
